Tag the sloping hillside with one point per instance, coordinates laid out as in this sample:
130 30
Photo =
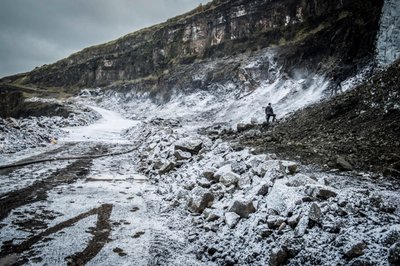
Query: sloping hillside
361 126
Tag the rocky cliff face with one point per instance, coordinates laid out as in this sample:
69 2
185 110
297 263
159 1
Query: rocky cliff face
306 34
388 42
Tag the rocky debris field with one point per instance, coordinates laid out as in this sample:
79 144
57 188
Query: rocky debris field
17 134
358 129
239 208
187 196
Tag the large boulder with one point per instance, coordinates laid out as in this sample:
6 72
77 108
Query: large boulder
242 208
200 199
189 145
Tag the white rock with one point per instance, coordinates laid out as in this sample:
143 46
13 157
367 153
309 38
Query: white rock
226 176
231 219
182 155
200 199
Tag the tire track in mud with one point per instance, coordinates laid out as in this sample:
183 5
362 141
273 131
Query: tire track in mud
100 237
38 190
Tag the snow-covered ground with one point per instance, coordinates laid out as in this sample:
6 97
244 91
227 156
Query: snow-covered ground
107 129
182 198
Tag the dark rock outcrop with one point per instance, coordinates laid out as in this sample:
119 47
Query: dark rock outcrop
361 125
313 35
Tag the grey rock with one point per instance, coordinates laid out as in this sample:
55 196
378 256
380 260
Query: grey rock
315 213
242 208
394 254
203 183
244 181
302 225
189 145
264 231
392 236
166 167
343 164
355 250
231 219
243 127
325 193
182 155
239 168
226 176
209 173
263 188
200 199
290 167
342 202
293 220
299 180
278 257
214 215
275 221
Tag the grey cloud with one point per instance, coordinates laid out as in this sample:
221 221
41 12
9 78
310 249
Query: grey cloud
37 32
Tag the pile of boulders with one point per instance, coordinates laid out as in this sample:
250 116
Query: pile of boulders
256 209
31 132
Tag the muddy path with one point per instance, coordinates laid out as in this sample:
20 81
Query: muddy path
38 190
95 209
100 237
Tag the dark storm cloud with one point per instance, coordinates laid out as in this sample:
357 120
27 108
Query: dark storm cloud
37 32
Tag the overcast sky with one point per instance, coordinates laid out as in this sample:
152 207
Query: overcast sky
37 32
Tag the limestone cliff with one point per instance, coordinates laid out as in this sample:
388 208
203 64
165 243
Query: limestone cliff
312 34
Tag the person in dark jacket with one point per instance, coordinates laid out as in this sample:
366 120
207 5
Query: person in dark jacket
269 112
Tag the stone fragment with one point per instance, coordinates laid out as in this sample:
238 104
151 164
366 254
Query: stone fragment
263 188
203 183
290 167
264 231
243 127
343 164
254 121
242 208
200 199
325 193
231 219
189 145
354 251
293 220
301 227
166 167
278 257
299 180
209 173
275 221
314 213
182 155
213 216
394 254
226 176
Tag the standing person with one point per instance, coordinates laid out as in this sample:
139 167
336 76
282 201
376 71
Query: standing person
336 85
269 112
